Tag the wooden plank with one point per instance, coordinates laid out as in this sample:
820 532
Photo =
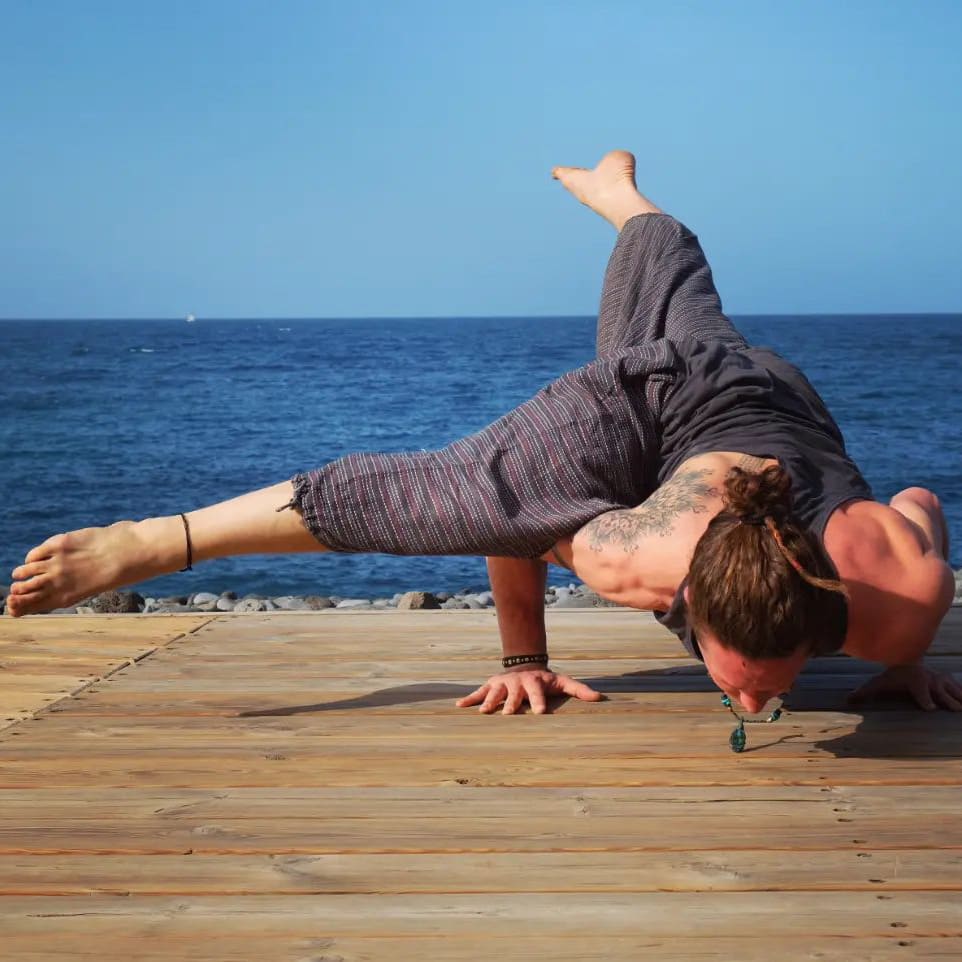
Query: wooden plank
537 766
274 665
904 729
456 683
556 915
225 946
719 870
587 735
417 699
773 829
113 804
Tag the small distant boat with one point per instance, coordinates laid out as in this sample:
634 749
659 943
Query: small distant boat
190 318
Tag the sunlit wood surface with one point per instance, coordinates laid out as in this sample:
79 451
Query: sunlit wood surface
301 787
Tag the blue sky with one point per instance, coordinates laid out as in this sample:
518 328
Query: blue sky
246 159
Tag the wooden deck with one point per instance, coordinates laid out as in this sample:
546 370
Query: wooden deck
301 787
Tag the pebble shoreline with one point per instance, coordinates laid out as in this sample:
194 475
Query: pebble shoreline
571 595
131 602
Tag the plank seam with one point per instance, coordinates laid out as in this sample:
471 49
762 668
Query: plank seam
127 663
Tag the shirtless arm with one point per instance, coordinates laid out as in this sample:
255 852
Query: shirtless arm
926 588
518 586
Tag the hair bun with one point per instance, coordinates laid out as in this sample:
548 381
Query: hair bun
756 496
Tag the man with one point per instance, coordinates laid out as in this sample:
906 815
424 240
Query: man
642 471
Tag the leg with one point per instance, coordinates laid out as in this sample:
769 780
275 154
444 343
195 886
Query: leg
658 282
72 566
585 444
578 448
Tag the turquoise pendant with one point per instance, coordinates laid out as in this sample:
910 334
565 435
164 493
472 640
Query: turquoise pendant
737 739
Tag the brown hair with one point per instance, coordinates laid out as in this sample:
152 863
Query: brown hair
758 581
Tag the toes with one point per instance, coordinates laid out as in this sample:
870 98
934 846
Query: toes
46 550
26 571
27 604
30 585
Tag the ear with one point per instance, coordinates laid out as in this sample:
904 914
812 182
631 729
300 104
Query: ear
687 595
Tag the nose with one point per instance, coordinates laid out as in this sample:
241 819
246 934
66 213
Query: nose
752 703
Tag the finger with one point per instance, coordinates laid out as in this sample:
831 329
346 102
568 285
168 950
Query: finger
493 700
954 689
922 695
536 698
514 701
579 690
948 699
476 696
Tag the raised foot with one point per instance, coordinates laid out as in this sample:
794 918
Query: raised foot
609 189
69 567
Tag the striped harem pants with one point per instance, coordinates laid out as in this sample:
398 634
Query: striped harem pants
587 443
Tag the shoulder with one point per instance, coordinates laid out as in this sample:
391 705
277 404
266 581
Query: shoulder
638 556
900 586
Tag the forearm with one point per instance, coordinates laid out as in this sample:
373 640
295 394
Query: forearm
518 586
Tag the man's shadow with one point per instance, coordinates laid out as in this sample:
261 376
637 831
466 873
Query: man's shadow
885 729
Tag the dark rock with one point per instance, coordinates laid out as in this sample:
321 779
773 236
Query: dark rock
173 600
229 595
417 600
116 602
317 602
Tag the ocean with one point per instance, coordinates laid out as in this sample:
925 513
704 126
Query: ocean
105 420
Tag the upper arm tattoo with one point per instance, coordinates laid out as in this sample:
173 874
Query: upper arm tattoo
687 491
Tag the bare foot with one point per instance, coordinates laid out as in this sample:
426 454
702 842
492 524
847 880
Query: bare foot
78 564
609 189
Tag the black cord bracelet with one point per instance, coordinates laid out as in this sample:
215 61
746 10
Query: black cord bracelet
190 547
512 660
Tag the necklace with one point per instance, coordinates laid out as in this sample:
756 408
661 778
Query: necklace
738 739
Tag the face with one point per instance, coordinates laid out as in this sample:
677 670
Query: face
750 682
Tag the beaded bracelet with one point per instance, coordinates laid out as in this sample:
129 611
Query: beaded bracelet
511 660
